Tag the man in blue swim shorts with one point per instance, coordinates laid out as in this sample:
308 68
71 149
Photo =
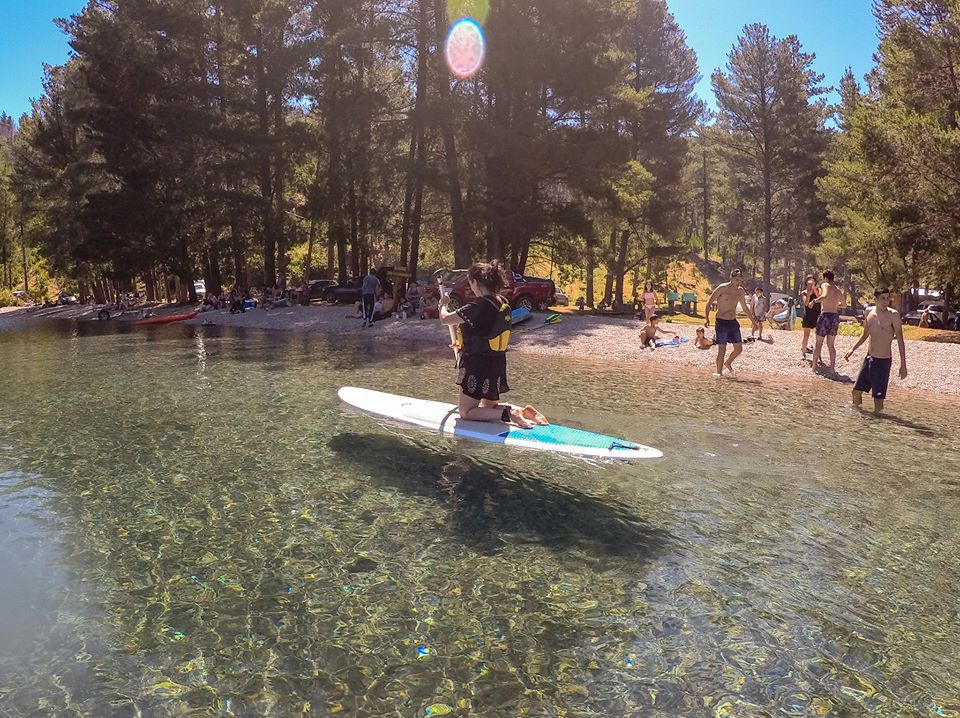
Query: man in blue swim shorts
828 323
727 296
881 326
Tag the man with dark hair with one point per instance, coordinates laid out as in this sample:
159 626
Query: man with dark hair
881 326
828 323
727 296
369 290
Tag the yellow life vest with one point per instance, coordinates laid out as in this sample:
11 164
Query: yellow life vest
497 339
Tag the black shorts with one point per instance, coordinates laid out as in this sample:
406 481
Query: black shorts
874 377
728 331
483 375
810 318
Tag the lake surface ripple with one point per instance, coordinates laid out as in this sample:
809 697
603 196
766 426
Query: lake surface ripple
191 524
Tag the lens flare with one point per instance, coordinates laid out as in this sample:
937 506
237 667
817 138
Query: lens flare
465 48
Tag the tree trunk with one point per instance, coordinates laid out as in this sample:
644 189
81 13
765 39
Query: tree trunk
23 246
608 286
767 218
305 286
621 264
414 174
354 228
417 219
591 268
408 199
266 184
706 211
461 231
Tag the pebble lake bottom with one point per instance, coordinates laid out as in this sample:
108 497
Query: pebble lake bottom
192 523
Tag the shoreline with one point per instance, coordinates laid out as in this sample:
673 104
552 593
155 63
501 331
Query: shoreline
934 366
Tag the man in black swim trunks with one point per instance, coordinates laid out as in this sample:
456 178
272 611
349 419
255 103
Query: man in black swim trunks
727 296
881 326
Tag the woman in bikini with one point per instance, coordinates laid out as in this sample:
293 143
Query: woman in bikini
482 336
649 300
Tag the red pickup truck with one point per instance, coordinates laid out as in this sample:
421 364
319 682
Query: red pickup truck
527 292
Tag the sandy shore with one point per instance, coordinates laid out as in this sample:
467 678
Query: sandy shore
934 367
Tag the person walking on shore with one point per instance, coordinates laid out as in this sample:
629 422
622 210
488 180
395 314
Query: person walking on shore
727 296
881 326
758 311
828 323
368 296
811 312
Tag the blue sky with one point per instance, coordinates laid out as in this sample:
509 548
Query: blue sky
839 32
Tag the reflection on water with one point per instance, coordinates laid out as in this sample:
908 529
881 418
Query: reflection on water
191 523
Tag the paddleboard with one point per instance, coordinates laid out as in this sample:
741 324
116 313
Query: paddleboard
519 315
441 417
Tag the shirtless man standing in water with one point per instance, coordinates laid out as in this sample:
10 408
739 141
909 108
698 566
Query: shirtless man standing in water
880 326
828 323
727 296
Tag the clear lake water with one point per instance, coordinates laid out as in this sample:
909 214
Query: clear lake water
192 524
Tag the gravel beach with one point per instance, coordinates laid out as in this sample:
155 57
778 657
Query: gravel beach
934 367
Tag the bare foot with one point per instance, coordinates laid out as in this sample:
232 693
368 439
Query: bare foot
533 415
517 417
728 367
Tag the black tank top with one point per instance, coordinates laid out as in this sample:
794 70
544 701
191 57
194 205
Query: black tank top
813 310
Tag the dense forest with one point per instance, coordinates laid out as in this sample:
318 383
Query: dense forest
252 140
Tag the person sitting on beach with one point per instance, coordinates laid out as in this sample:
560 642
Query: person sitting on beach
383 308
236 301
482 335
648 335
702 342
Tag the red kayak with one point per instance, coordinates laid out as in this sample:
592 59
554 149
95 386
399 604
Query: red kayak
167 319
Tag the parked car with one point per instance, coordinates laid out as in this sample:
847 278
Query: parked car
522 292
856 313
349 291
318 287
936 314
67 298
200 286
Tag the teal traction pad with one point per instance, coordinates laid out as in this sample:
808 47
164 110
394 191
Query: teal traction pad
555 435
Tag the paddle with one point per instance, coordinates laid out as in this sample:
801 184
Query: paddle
550 319
452 329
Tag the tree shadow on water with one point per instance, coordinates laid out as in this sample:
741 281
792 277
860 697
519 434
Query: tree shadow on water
488 503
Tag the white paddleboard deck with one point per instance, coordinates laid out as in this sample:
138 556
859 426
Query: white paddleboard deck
443 418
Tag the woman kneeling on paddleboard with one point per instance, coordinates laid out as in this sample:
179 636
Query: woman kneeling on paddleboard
482 335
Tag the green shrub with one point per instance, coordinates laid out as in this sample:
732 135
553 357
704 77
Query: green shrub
7 299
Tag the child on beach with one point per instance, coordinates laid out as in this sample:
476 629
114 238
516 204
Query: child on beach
482 336
648 335
881 326
701 342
